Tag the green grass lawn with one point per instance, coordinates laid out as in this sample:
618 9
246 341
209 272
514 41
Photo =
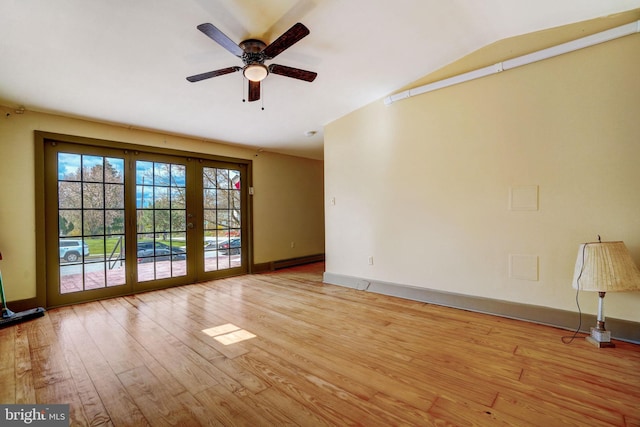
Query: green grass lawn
96 245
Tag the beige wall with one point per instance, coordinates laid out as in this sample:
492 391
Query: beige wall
423 185
287 203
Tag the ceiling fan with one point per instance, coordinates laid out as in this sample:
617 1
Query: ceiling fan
253 54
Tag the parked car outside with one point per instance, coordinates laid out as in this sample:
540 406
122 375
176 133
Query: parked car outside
162 252
71 250
230 247
210 243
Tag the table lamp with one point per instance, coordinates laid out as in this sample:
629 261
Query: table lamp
604 267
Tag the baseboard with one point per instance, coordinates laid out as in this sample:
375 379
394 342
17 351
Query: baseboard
623 330
292 262
264 267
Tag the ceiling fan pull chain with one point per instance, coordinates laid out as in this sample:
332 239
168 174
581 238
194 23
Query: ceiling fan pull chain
244 97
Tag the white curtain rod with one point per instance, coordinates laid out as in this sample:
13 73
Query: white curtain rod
604 36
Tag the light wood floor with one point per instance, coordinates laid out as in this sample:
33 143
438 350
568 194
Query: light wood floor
321 355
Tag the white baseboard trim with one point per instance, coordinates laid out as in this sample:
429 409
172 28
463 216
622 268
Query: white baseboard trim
623 330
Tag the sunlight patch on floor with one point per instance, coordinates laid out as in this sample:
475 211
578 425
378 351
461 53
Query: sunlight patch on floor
228 334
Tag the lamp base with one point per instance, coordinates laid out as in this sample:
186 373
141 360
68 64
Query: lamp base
600 338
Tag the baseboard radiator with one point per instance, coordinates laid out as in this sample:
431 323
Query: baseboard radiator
292 262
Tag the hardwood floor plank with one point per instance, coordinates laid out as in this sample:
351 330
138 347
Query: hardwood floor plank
344 371
201 413
194 338
619 393
364 327
543 412
632 420
172 323
316 336
310 391
413 415
64 392
572 396
588 359
287 411
120 350
8 362
194 323
90 402
233 369
156 399
320 364
226 408
271 334
340 366
184 365
47 357
115 398
320 355
459 413
53 381
241 408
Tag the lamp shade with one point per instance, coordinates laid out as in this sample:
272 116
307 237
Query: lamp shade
605 267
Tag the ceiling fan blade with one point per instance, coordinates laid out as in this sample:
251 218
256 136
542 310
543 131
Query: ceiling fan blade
215 73
219 37
286 40
254 91
295 73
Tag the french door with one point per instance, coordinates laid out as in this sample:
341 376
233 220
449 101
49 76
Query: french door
120 221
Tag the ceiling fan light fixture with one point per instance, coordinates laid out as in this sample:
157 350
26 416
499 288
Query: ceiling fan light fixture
253 53
255 72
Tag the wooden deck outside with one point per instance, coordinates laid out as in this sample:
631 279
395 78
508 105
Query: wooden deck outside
299 352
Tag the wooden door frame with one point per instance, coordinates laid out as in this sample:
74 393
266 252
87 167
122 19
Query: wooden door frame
42 138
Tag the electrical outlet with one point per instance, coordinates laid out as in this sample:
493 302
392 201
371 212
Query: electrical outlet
370 260
333 200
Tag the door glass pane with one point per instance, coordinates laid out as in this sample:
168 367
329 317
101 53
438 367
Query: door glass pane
90 222
221 202
161 220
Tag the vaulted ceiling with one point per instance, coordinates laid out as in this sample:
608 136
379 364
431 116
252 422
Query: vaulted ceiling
125 62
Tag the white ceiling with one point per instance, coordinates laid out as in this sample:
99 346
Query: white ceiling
125 62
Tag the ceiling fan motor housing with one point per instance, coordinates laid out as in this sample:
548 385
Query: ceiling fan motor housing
253 51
